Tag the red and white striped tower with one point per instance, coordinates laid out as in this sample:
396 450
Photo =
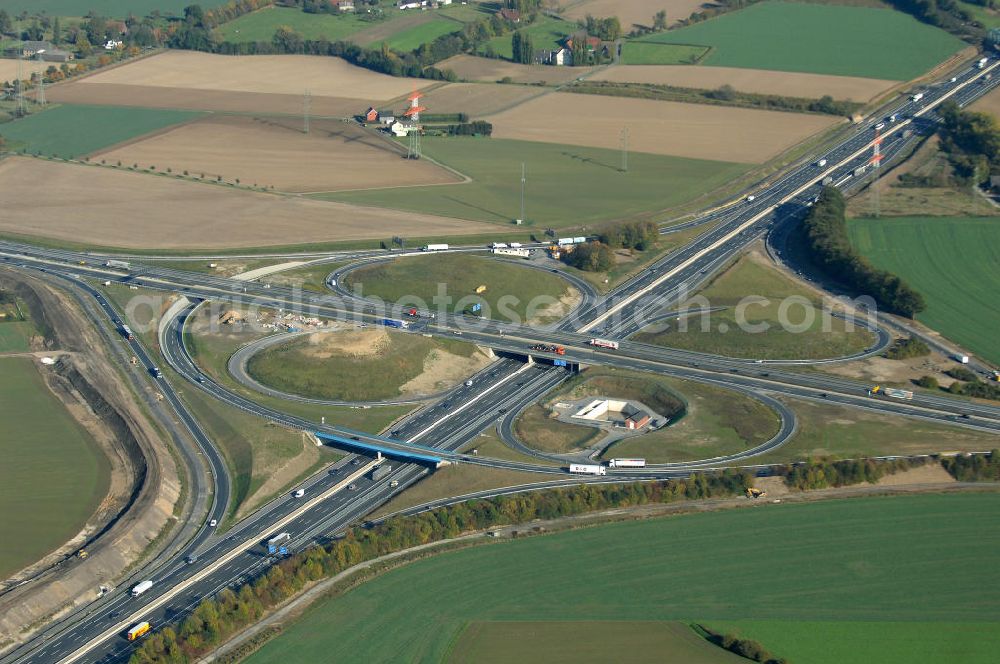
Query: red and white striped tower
876 162
413 115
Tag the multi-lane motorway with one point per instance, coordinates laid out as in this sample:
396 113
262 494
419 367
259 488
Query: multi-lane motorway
335 499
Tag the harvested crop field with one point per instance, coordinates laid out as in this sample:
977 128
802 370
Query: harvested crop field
478 99
333 156
108 207
789 84
472 68
669 128
263 74
632 12
261 83
8 68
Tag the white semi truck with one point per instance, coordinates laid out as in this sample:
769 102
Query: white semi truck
587 469
627 463
141 588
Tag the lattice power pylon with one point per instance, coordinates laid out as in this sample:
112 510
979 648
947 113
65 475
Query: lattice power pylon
876 162
412 114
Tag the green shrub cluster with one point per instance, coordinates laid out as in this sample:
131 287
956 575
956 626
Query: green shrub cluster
640 235
972 142
974 467
590 257
826 237
826 473
215 619
474 128
904 349
744 648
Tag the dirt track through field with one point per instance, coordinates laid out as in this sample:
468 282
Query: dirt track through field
108 207
472 68
478 99
335 155
850 88
686 130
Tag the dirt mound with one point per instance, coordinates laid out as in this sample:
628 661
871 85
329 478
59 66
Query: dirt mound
443 370
349 343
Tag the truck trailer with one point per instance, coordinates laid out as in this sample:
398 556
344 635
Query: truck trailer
917 97
141 588
126 332
434 247
896 393
604 343
587 469
381 472
138 630
123 265
276 543
981 63
392 322
627 463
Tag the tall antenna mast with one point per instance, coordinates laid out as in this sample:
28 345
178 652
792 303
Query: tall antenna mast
40 90
623 144
522 192
20 110
306 104
413 115
876 162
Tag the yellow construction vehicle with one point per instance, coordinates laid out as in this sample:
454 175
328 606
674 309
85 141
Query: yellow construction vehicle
755 493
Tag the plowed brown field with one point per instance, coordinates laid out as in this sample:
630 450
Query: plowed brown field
686 130
334 155
749 80
472 68
631 11
106 207
255 83
8 68
990 103
478 99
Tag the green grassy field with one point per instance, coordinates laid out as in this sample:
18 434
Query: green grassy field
648 53
297 368
546 34
73 131
547 642
115 8
411 38
824 642
952 262
566 185
829 430
15 335
459 275
877 560
988 17
260 25
53 475
725 335
712 421
536 428
819 39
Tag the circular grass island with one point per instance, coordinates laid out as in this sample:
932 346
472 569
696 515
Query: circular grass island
369 364
449 283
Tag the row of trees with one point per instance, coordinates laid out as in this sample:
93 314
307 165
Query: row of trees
822 474
825 230
474 128
945 14
972 142
725 95
217 618
639 235
590 257
975 467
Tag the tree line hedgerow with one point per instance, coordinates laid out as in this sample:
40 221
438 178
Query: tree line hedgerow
826 473
215 619
826 236
723 96
743 647
974 467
